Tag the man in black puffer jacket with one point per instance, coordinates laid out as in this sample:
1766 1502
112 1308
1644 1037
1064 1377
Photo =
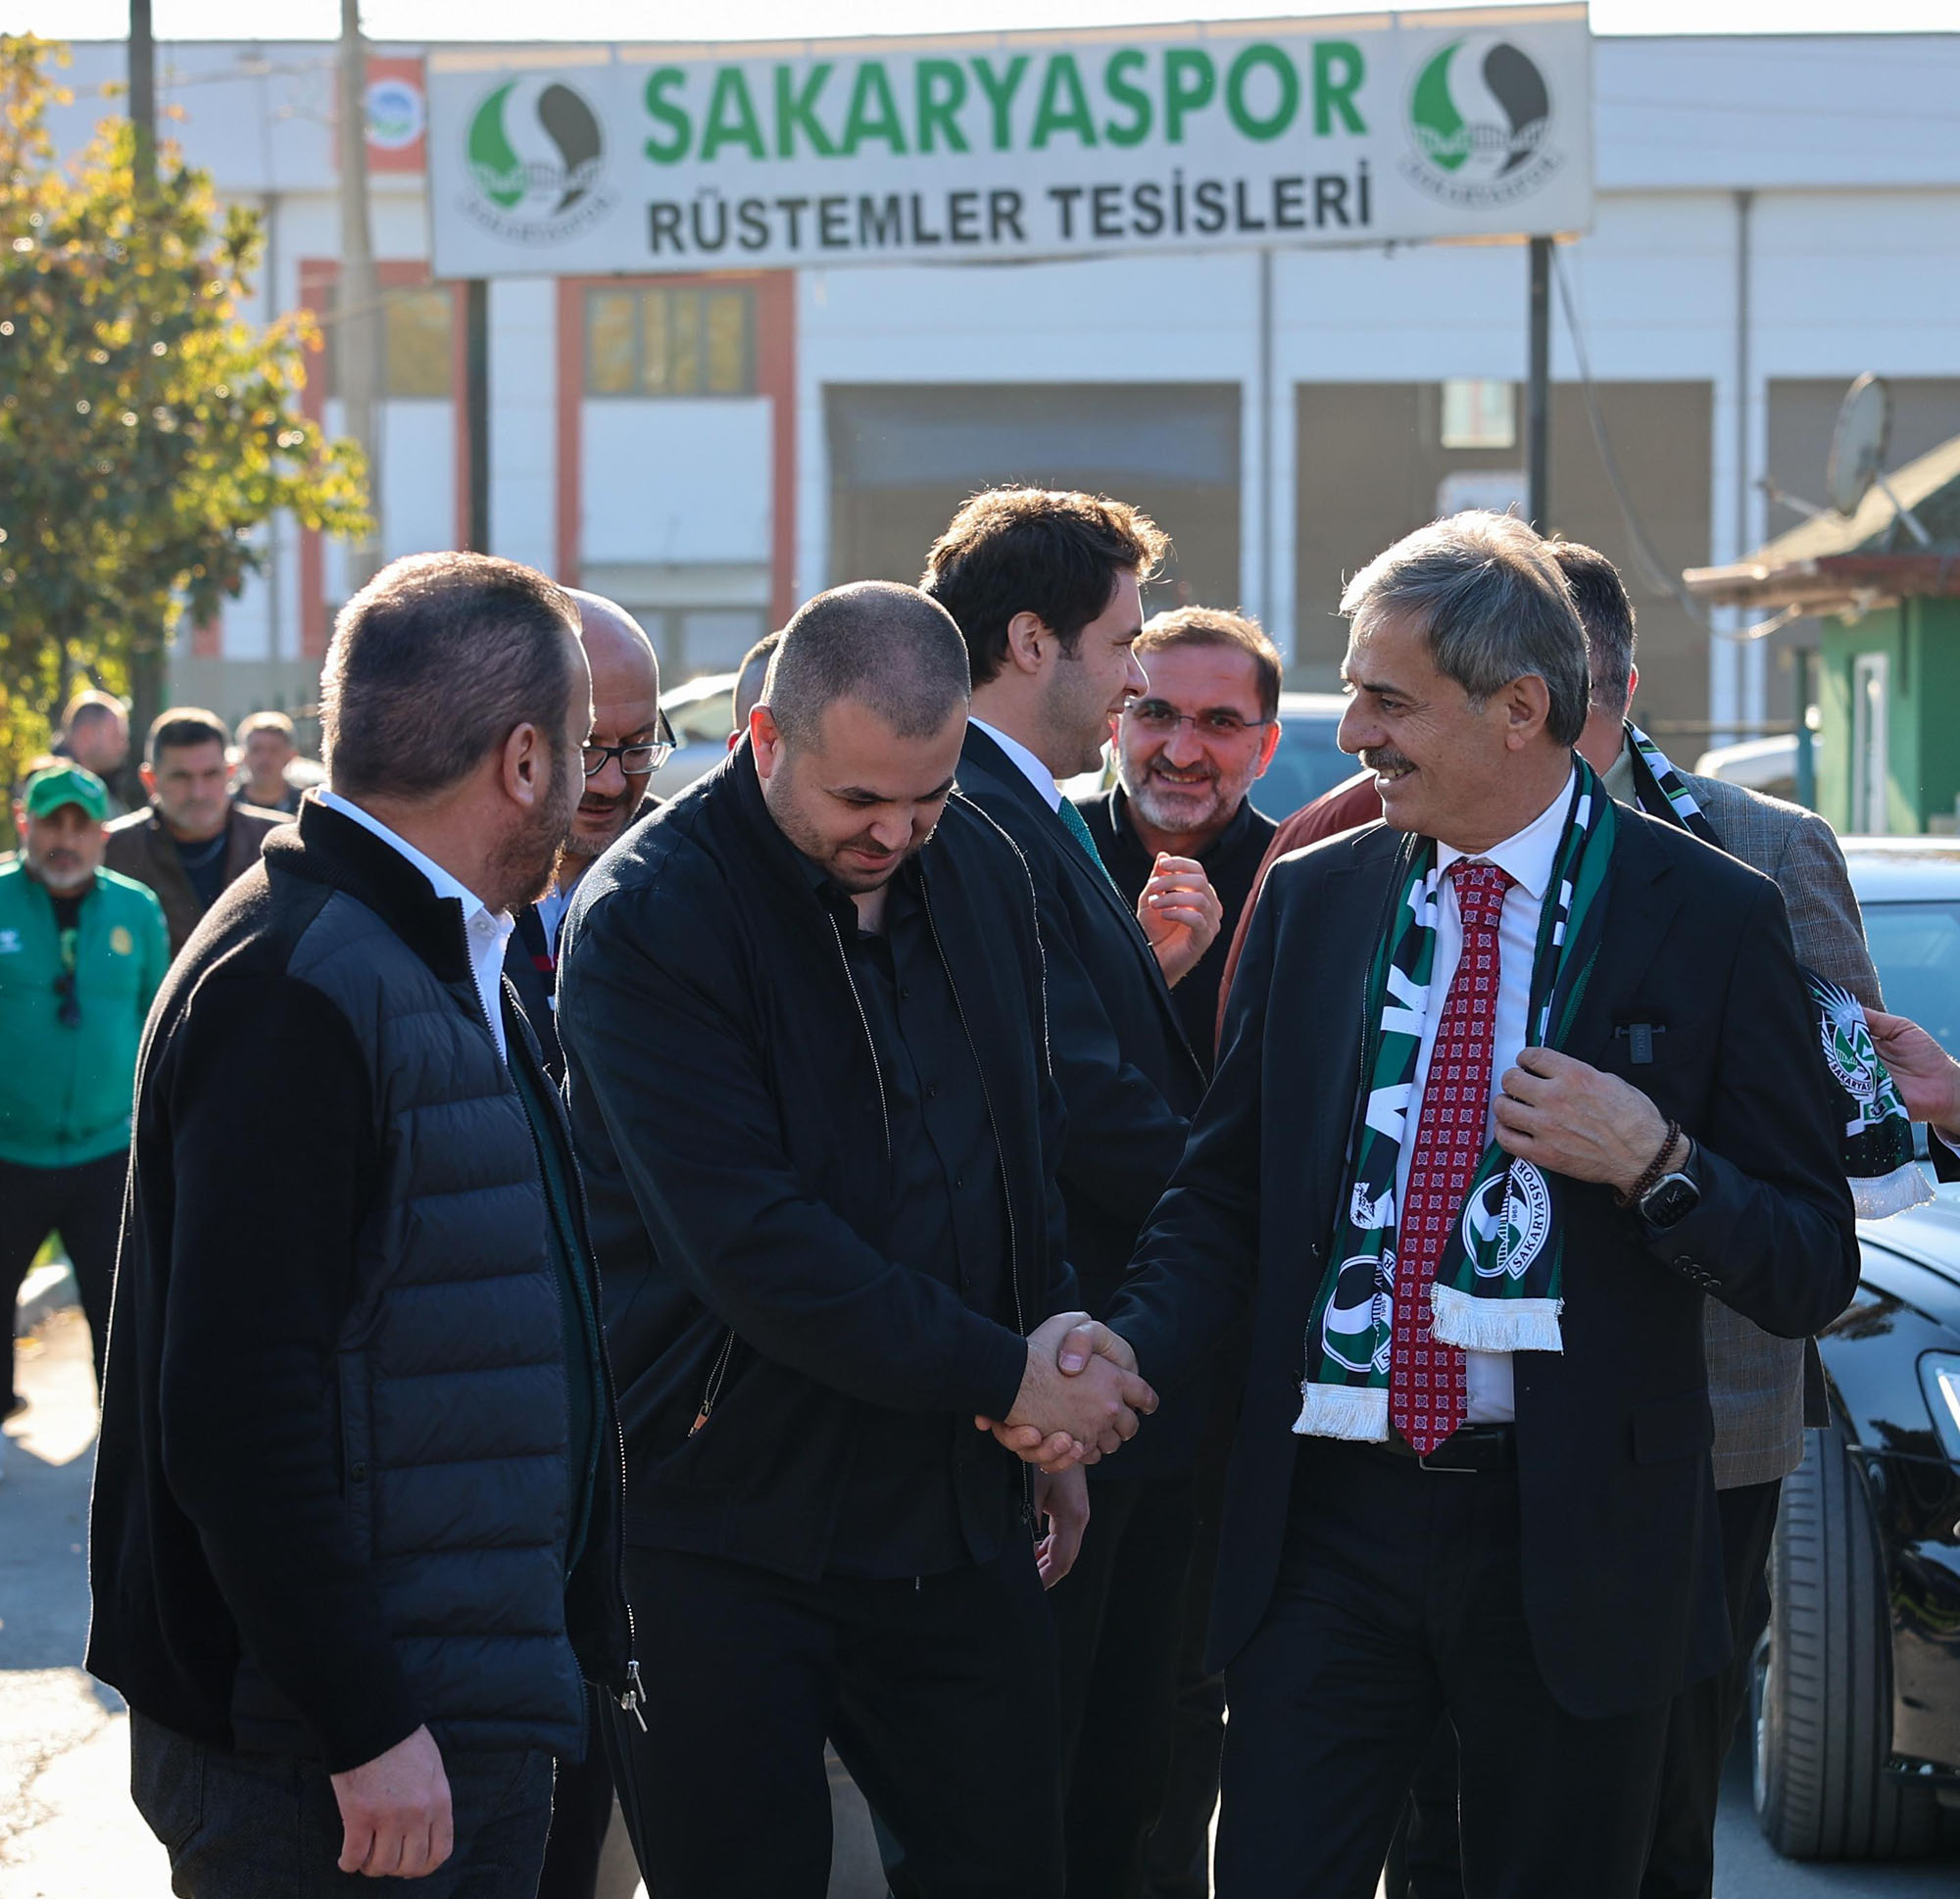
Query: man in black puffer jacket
806 1032
356 1520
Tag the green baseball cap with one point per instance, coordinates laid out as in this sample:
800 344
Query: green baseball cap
49 789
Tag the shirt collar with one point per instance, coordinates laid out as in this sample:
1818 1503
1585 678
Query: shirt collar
440 880
1619 779
837 899
1527 856
1032 769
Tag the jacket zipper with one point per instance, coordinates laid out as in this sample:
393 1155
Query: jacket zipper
1001 1154
718 1372
864 1022
632 1697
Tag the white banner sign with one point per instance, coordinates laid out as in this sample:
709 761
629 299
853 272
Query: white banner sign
1021 145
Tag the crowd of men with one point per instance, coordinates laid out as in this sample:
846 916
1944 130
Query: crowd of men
873 1255
93 904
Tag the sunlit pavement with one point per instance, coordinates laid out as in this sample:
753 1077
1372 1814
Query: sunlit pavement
69 1831
67 1828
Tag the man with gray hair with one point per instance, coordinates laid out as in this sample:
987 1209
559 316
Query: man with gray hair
804 1022
1475 1222
355 1530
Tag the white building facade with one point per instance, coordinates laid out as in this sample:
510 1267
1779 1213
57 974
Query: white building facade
1773 217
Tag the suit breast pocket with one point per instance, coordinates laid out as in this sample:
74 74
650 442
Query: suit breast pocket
1644 1038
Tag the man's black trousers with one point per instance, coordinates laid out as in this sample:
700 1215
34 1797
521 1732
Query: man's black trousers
1700 1730
85 1205
1119 1620
937 1692
1399 1602
266 1827
581 1815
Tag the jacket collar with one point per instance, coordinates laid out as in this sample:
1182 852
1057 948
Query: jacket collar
324 848
980 755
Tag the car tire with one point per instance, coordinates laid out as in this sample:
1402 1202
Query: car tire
1820 1688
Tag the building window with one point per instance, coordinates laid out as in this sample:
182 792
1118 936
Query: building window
419 343
669 343
1480 414
416 345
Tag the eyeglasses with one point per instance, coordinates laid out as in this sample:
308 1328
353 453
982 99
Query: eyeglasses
1157 715
638 758
68 1005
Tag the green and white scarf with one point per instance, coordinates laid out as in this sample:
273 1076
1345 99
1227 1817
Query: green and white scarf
1877 1143
1498 1283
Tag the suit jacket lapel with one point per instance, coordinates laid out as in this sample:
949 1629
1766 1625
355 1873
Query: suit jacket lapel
1641 903
981 758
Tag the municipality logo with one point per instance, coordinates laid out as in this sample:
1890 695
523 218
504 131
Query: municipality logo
1481 124
536 159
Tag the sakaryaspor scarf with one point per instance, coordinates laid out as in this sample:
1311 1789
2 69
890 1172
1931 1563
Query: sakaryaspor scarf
1498 1283
1877 1141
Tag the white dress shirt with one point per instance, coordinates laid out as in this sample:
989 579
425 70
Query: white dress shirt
1036 773
486 931
551 908
1529 857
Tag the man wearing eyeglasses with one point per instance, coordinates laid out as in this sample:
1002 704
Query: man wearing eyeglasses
81 953
1188 754
630 741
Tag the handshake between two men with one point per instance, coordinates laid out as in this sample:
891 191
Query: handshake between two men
1080 1399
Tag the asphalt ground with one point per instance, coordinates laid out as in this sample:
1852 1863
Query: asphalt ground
69 1831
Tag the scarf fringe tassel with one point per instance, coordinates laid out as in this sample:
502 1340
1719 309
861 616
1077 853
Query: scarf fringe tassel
1356 1412
1471 1324
1878 1197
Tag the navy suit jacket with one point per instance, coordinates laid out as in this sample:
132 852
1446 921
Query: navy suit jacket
1622 1565
1129 1081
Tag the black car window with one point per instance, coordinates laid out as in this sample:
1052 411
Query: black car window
1916 949
1308 763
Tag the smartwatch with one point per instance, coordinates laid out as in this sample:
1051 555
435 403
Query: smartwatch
1671 1198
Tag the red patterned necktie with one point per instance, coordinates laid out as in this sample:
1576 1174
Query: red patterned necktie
1426 1385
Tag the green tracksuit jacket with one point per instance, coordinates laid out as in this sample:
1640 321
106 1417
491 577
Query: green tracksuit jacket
64 1091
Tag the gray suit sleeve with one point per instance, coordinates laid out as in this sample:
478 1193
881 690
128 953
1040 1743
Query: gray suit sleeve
1823 920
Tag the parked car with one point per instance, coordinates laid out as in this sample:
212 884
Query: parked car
1767 765
702 712
1856 1686
1308 763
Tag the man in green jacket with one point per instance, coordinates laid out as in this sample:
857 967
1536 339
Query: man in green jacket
81 953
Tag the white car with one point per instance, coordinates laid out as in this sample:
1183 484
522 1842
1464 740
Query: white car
702 712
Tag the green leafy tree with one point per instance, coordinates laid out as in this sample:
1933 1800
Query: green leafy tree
147 429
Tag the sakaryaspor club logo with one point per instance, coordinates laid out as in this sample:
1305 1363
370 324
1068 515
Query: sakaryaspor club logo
1481 119
537 157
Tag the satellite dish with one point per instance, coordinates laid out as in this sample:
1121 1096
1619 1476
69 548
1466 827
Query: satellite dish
1859 443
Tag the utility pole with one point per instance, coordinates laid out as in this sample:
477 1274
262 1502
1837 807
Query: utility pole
1537 387
358 318
143 92
147 649
476 407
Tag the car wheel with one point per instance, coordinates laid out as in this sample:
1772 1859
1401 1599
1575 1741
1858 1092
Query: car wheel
1821 1692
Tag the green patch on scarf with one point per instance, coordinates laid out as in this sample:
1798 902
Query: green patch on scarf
1499 1284
1876 1146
